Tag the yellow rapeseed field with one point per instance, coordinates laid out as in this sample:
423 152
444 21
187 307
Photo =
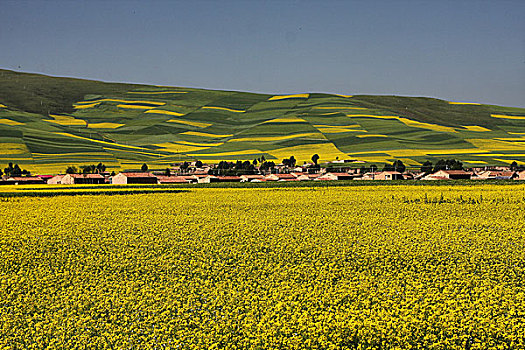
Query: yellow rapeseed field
359 267
284 97
11 122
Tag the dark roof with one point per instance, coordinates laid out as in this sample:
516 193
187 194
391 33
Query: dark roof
87 176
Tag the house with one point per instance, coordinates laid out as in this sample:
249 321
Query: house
82 179
281 177
134 178
210 178
369 176
251 178
163 179
55 180
496 175
334 177
448 175
307 177
389 175
24 180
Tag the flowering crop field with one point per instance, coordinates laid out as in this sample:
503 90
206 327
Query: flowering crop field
360 267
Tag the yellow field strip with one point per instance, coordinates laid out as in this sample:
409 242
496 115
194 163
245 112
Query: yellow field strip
277 138
91 105
371 135
179 148
285 120
104 125
407 122
134 107
337 126
99 141
326 151
66 120
121 101
338 130
188 122
475 128
465 103
2 105
205 134
13 148
10 122
210 144
503 116
160 111
224 109
232 153
283 97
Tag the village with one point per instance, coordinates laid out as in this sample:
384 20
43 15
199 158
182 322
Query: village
197 172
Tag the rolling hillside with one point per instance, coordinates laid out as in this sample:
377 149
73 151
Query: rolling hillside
48 123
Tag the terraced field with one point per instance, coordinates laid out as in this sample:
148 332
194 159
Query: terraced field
48 123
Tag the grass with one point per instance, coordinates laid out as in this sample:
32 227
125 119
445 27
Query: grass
55 119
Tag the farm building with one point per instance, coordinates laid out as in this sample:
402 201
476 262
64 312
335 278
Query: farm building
281 177
210 178
334 176
82 179
134 178
250 178
389 175
307 177
521 176
496 175
55 180
162 179
448 175
24 180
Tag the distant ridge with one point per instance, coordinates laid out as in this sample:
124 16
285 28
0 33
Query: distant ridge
48 123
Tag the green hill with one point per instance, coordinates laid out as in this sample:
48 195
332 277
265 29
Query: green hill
48 123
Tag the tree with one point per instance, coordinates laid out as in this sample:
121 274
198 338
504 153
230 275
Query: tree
16 171
448 164
426 167
144 167
388 167
254 162
101 168
71 169
315 158
167 172
514 165
9 169
373 168
1 172
399 166
113 173
198 164
293 161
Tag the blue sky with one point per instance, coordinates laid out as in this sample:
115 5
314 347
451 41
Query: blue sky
455 50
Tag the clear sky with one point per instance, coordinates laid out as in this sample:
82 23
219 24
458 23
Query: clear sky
456 50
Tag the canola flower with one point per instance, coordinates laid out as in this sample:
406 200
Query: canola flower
361 267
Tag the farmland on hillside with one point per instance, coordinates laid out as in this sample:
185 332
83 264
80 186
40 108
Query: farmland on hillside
359 267
49 123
